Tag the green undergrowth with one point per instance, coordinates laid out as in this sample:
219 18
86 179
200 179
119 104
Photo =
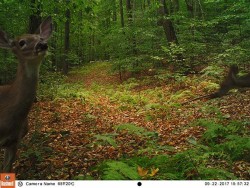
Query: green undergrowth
54 86
212 157
157 92
91 67
148 138
123 94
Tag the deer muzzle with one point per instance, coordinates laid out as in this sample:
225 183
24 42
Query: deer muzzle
41 46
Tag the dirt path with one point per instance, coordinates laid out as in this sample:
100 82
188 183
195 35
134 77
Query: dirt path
95 73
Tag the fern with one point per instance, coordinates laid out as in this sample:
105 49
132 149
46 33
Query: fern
106 139
213 71
171 176
179 95
117 170
237 127
132 128
236 147
209 86
215 174
214 133
153 106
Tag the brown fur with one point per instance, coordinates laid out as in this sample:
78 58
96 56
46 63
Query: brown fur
16 99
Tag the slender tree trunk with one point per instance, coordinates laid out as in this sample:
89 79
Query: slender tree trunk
80 40
166 23
122 24
92 46
132 36
130 24
121 13
35 18
114 11
53 49
66 42
149 3
129 10
175 6
190 7
195 8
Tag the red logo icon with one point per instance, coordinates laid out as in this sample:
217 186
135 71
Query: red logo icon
7 180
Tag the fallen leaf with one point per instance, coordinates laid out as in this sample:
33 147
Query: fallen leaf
141 171
154 171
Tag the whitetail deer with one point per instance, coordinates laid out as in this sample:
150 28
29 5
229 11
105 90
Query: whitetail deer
16 99
232 80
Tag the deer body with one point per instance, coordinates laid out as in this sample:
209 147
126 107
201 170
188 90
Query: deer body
16 99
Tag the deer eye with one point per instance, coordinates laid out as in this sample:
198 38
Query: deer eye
22 43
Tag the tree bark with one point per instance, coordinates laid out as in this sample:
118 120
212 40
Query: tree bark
114 11
130 24
166 23
174 6
195 8
35 19
121 13
129 11
149 3
66 41
80 50
190 7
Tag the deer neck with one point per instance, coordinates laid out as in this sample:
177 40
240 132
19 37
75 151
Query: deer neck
26 81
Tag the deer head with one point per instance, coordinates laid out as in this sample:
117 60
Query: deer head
29 47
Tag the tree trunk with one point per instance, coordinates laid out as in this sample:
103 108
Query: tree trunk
129 11
66 42
54 59
175 6
130 24
92 42
195 8
121 13
80 50
35 19
149 3
190 7
166 23
114 11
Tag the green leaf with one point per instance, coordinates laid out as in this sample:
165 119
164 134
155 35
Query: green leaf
131 128
192 140
107 139
117 170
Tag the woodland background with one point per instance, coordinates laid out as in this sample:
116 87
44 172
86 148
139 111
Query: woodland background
111 88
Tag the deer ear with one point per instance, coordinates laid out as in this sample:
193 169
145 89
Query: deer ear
46 28
4 41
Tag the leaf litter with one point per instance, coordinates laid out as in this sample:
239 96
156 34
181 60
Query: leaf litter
68 137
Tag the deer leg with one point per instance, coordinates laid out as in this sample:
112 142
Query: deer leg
9 157
25 128
10 151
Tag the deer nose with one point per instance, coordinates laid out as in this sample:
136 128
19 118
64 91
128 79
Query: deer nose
42 46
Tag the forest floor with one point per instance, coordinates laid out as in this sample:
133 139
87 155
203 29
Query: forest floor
94 117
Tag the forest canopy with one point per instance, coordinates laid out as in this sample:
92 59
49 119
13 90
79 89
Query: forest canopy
135 35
